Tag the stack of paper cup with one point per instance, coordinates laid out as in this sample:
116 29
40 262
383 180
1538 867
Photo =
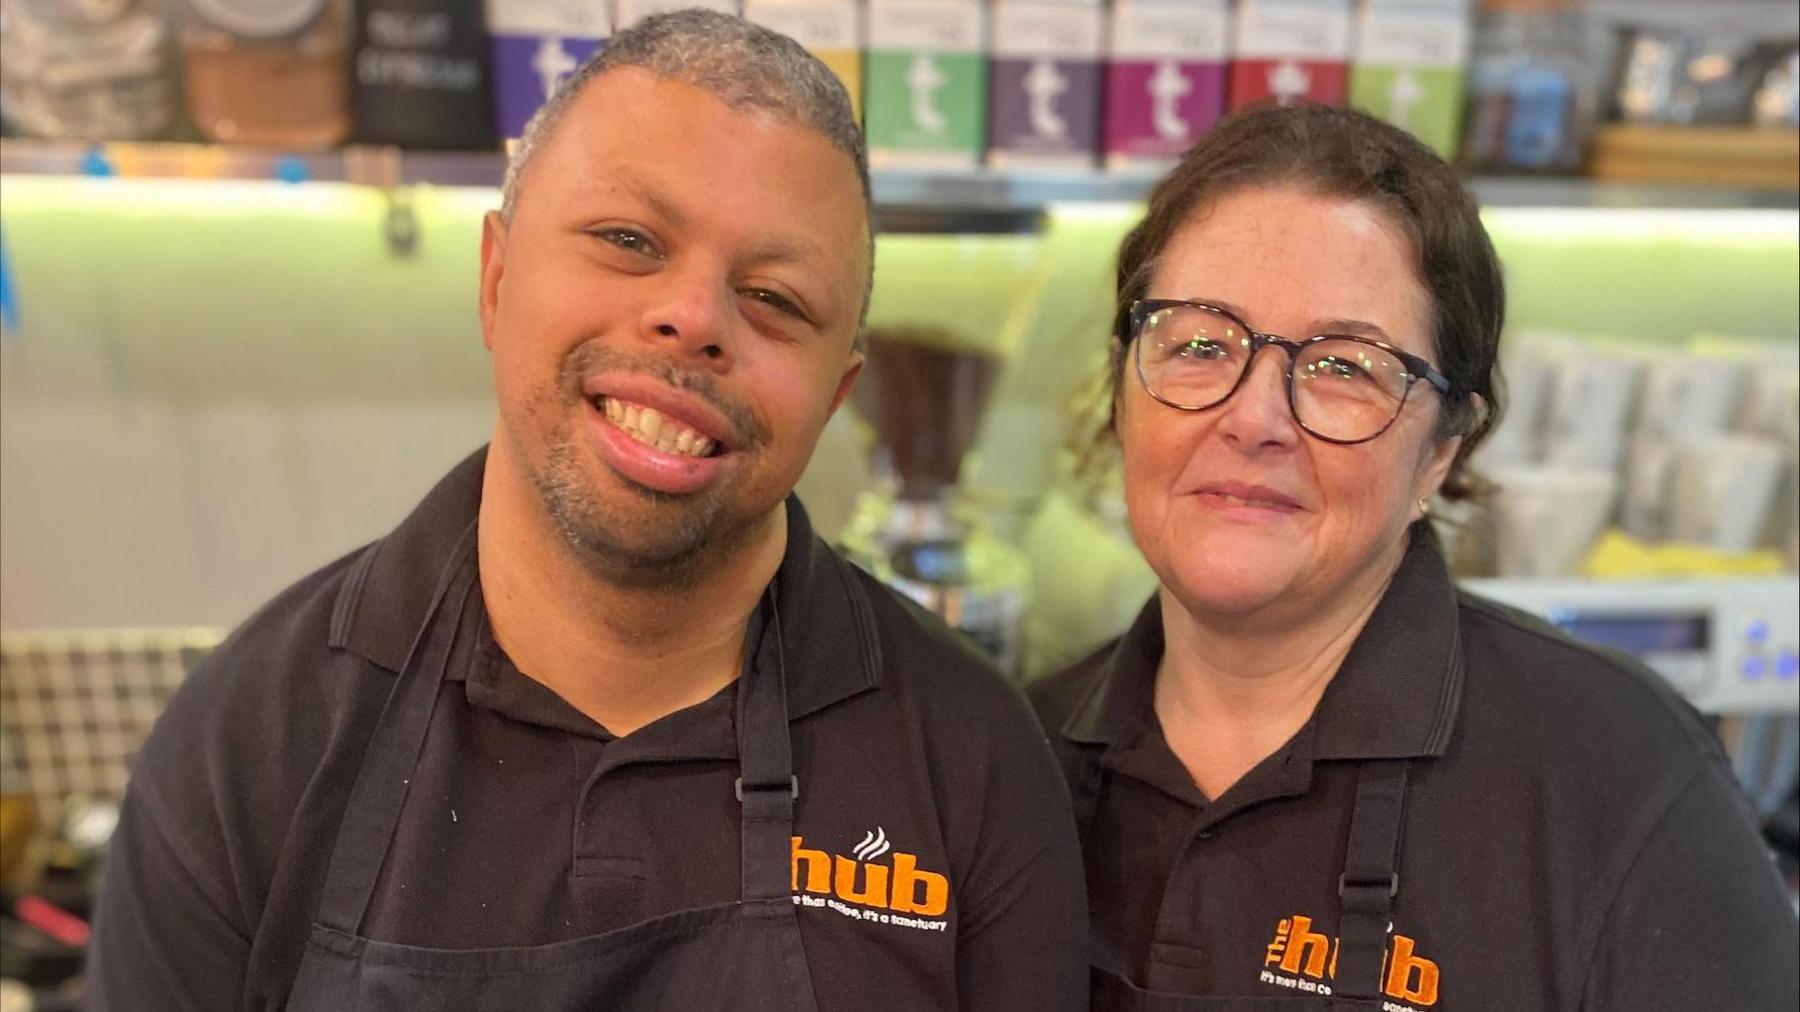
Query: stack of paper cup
1527 377
1687 398
1546 518
1772 410
1590 403
1723 488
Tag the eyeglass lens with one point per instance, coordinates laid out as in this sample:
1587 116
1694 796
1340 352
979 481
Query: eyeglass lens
1341 388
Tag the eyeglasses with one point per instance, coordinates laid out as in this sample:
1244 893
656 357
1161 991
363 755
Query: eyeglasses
1193 356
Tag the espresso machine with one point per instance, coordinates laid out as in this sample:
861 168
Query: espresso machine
924 394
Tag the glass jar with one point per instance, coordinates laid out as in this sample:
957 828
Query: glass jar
88 69
268 72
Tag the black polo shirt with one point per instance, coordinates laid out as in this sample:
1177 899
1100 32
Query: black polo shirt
1573 837
526 823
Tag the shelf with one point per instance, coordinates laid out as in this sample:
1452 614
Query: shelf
371 166
976 195
1580 192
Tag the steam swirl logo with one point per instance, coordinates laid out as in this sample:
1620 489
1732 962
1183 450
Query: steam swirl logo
873 845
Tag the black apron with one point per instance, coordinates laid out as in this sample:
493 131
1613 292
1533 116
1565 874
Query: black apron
742 955
1367 887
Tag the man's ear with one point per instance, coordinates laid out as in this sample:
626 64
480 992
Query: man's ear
493 269
847 381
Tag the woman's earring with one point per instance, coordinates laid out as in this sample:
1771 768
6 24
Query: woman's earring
1424 507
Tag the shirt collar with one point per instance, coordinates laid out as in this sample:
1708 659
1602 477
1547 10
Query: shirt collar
1120 701
829 646
1398 691
1395 696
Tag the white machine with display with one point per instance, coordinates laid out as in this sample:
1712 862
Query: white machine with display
1729 646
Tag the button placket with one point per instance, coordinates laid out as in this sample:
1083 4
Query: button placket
606 877
1178 962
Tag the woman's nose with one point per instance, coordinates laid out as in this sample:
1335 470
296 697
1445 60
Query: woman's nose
1258 414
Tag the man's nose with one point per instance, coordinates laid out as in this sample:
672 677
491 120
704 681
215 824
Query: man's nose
689 316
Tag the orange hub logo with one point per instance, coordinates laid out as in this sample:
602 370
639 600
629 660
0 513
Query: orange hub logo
899 885
1309 959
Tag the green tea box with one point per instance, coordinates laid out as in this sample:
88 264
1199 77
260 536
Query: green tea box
925 83
1408 63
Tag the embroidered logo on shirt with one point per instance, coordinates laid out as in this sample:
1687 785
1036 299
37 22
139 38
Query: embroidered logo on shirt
896 892
1302 959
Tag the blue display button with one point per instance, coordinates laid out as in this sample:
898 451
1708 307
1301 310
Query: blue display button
290 169
1754 667
1757 631
95 163
1787 665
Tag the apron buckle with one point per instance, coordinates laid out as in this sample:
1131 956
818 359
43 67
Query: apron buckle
1393 884
737 787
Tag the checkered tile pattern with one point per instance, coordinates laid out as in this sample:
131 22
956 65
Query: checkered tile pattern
75 706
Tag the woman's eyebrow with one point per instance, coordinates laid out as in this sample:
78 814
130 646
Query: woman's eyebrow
1351 328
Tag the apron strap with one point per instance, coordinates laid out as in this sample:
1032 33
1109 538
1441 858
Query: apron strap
1371 877
766 786
399 736
766 783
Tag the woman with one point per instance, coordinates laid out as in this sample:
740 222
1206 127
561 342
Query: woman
1312 767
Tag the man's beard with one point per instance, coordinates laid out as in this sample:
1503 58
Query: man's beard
665 542
668 551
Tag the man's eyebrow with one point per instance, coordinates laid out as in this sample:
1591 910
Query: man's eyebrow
783 249
662 206
790 248
787 249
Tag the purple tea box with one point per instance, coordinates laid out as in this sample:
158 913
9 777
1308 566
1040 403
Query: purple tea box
1044 83
1166 72
536 45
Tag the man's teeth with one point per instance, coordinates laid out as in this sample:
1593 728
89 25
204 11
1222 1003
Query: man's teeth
650 427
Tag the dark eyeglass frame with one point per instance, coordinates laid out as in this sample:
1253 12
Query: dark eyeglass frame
1419 369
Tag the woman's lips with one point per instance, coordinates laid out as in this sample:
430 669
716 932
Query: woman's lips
1246 500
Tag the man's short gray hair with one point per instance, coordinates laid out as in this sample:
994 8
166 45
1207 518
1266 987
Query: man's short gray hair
744 64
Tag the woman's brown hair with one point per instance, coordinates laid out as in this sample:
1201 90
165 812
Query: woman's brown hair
1348 154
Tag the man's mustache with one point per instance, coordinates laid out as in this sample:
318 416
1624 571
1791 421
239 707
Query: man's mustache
590 358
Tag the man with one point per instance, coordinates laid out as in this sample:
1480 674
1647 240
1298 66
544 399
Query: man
659 747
